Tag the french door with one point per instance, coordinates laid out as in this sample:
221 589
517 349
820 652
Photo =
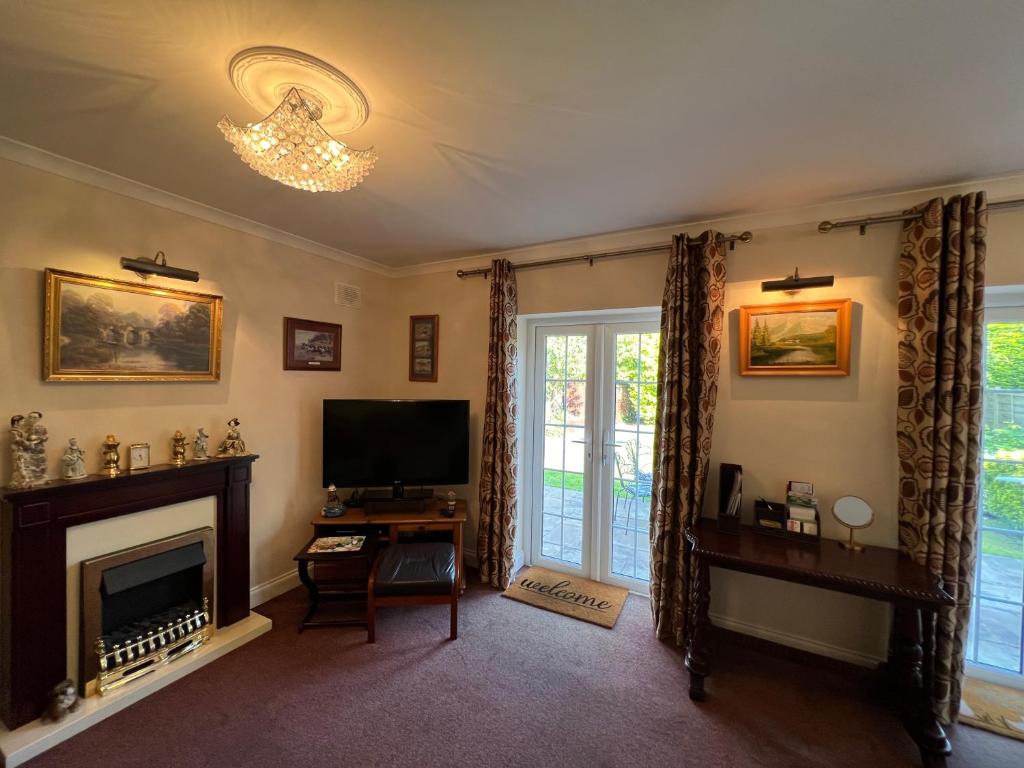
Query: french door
995 643
591 392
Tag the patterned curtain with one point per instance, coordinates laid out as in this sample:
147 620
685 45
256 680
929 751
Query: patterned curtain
941 326
692 316
497 532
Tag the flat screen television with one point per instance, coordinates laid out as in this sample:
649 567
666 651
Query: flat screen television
396 443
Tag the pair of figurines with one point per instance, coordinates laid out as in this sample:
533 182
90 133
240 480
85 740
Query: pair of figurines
200 447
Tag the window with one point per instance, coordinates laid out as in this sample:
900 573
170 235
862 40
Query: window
995 644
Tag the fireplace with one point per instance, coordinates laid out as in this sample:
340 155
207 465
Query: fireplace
39 638
144 607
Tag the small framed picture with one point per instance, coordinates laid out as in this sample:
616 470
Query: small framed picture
423 337
311 345
138 456
810 528
793 525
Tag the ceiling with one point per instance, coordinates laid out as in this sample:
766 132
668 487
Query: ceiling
502 124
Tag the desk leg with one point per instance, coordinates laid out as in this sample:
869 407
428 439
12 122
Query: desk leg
916 685
460 576
314 593
697 652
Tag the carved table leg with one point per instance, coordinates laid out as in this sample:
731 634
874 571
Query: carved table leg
697 651
314 593
916 686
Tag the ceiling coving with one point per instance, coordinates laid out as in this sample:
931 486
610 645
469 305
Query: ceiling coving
292 144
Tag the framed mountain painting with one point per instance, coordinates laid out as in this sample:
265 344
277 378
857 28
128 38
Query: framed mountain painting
805 339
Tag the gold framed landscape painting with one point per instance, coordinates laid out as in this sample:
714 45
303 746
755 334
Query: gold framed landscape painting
99 329
803 339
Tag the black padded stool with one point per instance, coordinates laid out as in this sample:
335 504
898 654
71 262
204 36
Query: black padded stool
414 573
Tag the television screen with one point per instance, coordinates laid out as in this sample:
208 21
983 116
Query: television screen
375 443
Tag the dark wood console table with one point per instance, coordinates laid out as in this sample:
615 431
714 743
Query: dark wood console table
877 573
33 568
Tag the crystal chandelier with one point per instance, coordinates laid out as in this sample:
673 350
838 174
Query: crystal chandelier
290 146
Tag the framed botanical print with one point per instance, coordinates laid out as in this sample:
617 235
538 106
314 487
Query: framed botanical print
311 346
97 329
423 336
805 339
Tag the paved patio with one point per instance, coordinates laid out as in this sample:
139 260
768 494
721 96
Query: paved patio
999 624
563 532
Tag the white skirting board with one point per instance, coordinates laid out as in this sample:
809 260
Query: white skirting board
36 737
268 590
796 641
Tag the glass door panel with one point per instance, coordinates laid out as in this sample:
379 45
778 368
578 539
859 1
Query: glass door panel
635 372
563 449
995 641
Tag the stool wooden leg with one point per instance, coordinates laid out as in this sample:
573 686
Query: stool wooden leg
455 613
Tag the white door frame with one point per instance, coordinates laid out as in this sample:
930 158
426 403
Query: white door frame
530 491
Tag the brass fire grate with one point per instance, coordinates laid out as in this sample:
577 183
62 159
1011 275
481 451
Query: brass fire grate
120 663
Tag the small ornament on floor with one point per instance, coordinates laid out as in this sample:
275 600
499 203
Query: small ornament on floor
63 699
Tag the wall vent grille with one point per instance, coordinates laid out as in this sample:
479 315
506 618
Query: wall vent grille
346 295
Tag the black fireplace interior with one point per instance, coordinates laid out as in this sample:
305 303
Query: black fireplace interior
153 591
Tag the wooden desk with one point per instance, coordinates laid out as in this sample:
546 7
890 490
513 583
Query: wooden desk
394 525
877 573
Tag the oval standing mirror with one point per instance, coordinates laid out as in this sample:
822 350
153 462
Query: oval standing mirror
854 513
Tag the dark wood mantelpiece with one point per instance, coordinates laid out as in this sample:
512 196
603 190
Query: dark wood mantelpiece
33 591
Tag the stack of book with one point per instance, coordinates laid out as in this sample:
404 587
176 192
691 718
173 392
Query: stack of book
801 508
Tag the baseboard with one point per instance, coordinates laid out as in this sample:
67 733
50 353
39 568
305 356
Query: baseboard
796 641
268 590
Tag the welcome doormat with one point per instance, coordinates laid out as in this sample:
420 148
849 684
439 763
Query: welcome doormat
993 707
569 595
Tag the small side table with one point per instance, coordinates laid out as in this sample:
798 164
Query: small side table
354 594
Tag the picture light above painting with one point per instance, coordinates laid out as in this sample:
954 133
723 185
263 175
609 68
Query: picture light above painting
798 339
97 329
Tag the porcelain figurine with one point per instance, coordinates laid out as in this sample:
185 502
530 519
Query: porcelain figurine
199 445
111 456
28 451
233 444
63 699
73 461
178 449
334 506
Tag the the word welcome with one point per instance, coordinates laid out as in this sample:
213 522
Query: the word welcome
559 592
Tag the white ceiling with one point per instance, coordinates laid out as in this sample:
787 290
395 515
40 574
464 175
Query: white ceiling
501 124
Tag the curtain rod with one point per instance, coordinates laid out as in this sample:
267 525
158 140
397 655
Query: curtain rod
827 226
743 237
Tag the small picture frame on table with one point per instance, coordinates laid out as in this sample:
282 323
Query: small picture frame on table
311 346
423 337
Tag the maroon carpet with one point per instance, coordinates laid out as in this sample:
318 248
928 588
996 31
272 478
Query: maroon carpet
520 687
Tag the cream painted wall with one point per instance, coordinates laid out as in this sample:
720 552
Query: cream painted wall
835 432
51 221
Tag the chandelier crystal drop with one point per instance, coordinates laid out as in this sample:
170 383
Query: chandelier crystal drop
290 146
